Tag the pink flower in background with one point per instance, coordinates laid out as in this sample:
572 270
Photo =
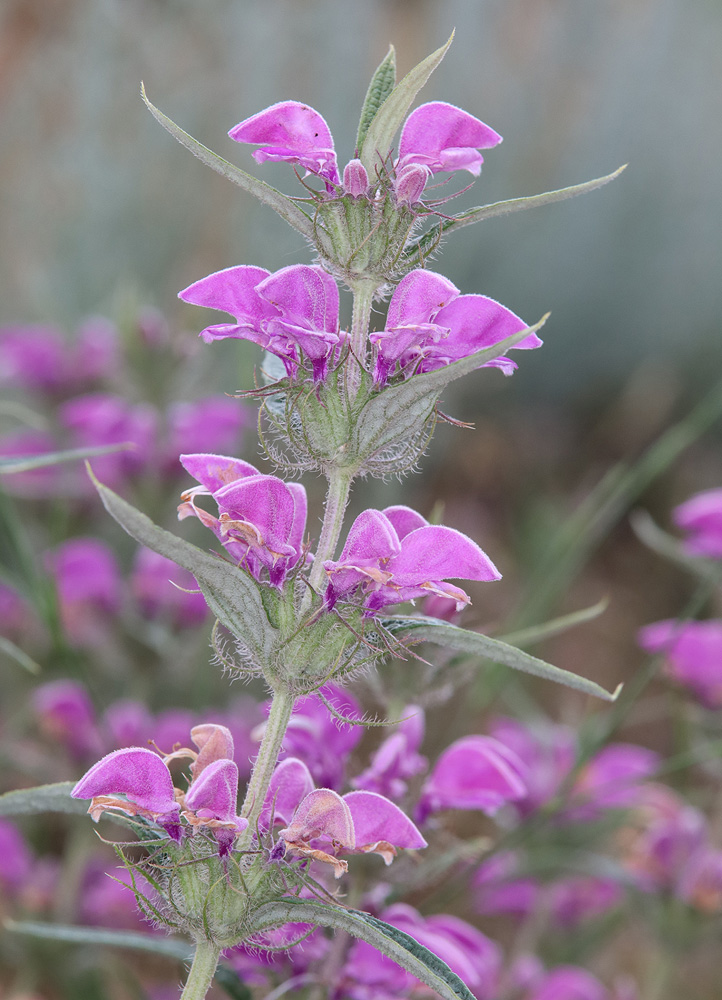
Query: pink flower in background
205 425
475 772
102 419
66 716
397 760
164 591
693 655
34 357
701 518
36 483
323 742
16 858
89 587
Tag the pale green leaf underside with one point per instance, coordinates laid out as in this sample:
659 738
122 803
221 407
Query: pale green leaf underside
171 947
380 135
259 189
44 798
396 944
24 463
382 83
232 595
19 655
477 644
393 415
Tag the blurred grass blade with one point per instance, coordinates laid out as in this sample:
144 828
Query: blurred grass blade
584 529
556 626
390 941
14 652
24 463
669 547
275 199
483 646
45 798
156 943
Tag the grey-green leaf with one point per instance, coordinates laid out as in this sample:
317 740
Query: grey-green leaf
483 646
171 947
387 120
392 942
44 798
24 463
555 626
382 83
19 655
393 415
428 241
259 189
232 595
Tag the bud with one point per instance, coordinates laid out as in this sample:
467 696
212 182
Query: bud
355 179
410 183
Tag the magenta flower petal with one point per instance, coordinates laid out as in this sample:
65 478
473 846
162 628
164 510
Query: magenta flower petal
232 290
418 297
378 821
435 553
441 136
137 773
290 783
66 715
567 982
216 471
214 742
291 132
321 815
476 322
693 653
404 519
261 511
475 772
701 517
214 793
370 540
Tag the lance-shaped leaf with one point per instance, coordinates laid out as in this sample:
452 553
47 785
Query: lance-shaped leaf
429 241
270 196
45 798
555 626
172 947
24 463
231 594
397 413
387 120
390 941
382 83
477 644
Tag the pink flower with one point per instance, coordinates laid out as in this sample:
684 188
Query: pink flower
66 715
701 518
292 313
89 587
693 655
164 591
395 555
429 325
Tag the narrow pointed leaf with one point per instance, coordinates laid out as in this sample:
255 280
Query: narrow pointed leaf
672 548
428 241
19 655
232 595
392 942
477 644
387 120
171 947
546 630
382 83
397 413
45 798
259 189
24 463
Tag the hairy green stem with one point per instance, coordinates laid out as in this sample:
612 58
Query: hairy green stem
280 713
339 486
205 963
363 294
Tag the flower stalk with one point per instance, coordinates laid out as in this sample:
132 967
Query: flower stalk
278 718
205 963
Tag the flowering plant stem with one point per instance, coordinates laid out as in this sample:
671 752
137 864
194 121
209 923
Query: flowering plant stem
363 293
280 713
205 963
339 486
